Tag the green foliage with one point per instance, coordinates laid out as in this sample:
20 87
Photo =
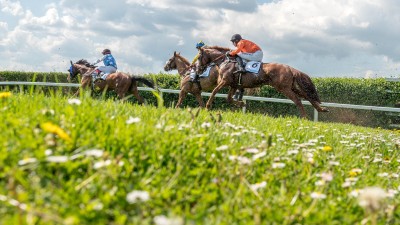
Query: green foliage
78 161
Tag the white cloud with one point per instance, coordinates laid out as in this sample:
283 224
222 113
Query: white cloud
322 38
14 8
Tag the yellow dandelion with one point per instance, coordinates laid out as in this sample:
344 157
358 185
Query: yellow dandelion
5 94
52 128
355 172
327 148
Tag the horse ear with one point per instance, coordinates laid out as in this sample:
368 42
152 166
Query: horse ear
72 64
174 53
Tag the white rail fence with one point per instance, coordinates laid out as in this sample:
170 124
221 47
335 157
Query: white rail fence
245 98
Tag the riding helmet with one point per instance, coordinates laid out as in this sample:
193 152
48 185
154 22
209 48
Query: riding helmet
236 37
200 44
106 51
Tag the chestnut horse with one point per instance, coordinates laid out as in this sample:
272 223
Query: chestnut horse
121 83
183 66
293 83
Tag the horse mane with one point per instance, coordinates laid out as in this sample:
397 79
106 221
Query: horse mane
183 59
219 48
85 63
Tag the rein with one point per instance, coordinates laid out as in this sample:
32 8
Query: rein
212 61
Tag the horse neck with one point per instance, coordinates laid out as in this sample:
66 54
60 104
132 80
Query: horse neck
84 70
181 66
217 58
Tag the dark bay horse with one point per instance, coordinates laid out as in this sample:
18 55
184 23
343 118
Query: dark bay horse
292 83
121 83
183 66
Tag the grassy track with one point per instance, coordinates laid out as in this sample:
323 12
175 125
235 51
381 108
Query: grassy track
87 161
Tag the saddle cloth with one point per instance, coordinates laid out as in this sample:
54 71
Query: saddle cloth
206 72
253 66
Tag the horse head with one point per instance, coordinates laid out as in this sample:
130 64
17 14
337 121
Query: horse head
72 72
80 67
171 63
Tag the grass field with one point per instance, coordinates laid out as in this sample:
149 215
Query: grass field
88 161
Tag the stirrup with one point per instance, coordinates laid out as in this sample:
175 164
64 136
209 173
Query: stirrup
239 71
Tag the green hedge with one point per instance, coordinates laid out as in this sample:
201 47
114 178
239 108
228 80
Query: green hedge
374 92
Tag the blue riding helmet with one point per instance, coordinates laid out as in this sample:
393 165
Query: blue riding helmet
200 44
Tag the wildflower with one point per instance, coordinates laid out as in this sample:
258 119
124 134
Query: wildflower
241 159
27 161
257 186
293 152
383 174
244 160
371 198
101 164
278 165
334 163
205 125
327 148
252 150
354 193
52 128
137 196
259 155
326 176
317 195
392 193
5 94
94 152
222 148
320 183
57 159
163 220
354 172
132 120
74 101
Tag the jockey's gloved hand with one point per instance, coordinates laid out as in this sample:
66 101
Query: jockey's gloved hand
228 54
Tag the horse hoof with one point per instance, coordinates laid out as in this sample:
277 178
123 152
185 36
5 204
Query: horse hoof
325 110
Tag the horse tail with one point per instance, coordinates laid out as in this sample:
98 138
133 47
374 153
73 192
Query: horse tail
145 81
305 84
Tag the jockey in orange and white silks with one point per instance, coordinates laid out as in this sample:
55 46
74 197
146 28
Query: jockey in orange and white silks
110 65
245 49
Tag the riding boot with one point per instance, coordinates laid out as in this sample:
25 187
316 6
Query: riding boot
236 96
240 65
194 78
241 95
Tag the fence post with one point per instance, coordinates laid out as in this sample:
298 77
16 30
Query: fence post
315 115
244 106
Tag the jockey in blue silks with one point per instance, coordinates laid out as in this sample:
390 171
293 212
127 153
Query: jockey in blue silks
110 65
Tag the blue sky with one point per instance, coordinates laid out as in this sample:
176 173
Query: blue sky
323 38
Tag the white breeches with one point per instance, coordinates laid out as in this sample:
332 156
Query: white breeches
107 69
256 56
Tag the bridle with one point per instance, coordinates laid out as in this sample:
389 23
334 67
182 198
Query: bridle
72 72
173 59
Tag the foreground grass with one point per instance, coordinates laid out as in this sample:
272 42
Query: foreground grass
70 161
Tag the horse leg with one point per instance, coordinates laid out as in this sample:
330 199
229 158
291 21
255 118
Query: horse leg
135 92
231 92
182 95
199 99
318 107
214 92
292 96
